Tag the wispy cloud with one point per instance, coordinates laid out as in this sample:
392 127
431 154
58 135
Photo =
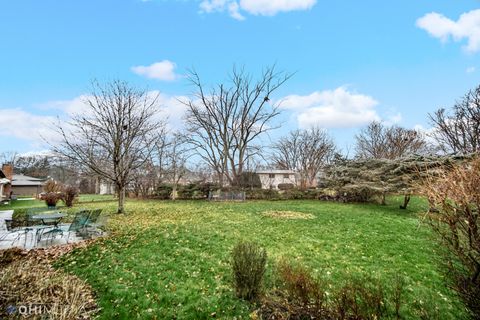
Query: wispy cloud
470 70
163 70
466 27
237 8
23 125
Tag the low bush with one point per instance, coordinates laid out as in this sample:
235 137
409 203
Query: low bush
263 194
249 264
300 295
52 198
52 186
70 194
163 192
187 192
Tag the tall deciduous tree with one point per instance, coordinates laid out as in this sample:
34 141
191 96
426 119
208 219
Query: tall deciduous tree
114 136
225 122
378 141
459 131
305 151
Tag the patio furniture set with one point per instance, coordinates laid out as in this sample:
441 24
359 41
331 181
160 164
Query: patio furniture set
41 226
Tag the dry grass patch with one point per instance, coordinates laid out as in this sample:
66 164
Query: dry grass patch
31 287
288 214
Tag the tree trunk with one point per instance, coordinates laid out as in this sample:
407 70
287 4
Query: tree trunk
121 199
174 192
406 200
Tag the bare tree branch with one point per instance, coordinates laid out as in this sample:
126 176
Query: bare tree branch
225 124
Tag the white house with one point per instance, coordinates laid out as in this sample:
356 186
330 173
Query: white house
270 179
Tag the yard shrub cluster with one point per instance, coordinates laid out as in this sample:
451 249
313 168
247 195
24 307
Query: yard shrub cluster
163 192
298 294
249 264
70 194
454 217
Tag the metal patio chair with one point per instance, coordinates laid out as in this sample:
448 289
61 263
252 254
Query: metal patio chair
77 226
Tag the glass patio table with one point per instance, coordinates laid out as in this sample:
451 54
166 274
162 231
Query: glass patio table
48 218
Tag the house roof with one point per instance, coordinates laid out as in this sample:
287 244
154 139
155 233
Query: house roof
23 180
4 181
276 171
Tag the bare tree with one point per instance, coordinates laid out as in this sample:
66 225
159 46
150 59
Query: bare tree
9 157
378 141
459 132
177 156
225 123
114 136
305 151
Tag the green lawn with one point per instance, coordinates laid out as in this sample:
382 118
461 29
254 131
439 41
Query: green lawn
170 260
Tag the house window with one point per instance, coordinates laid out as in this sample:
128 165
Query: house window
271 175
286 176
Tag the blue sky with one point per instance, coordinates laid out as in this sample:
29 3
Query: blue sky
355 61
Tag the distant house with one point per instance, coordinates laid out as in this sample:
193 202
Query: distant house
5 181
106 187
23 185
270 179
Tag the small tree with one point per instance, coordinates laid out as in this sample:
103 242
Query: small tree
114 136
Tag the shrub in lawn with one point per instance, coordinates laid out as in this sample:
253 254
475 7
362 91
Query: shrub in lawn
360 299
455 196
248 263
300 295
70 193
52 198
306 295
52 186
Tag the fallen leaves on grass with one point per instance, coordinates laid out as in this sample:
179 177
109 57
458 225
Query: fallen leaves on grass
288 215
29 284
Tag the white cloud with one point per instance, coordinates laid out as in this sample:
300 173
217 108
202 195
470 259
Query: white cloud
272 7
71 107
254 7
337 108
24 125
470 70
35 129
466 27
163 70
